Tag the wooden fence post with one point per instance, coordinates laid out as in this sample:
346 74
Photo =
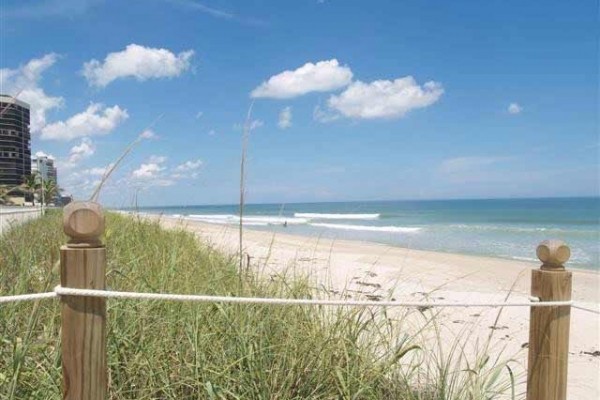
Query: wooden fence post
83 266
549 326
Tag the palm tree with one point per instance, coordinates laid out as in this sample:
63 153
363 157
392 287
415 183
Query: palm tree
31 185
5 190
50 191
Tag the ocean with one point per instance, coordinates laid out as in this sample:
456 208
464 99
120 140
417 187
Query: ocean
507 228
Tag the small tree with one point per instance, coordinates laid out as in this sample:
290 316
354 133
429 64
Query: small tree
4 190
51 191
31 184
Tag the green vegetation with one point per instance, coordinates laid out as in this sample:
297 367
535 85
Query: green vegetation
167 350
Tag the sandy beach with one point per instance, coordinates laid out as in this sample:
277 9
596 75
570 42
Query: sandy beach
369 270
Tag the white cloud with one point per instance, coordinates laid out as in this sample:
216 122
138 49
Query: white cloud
199 114
148 134
93 121
157 159
191 165
42 154
151 169
514 108
23 83
285 118
154 172
324 116
96 171
83 150
82 181
147 171
384 98
187 170
324 76
212 132
139 62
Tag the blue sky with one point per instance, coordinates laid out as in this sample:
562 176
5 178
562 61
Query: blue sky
353 100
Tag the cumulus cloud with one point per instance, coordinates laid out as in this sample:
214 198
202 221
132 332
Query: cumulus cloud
23 83
96 171
514 108
187 170
95 120
191 165
139 62
285 118
385 98
154 172
324 76
42 154
149 170
83 150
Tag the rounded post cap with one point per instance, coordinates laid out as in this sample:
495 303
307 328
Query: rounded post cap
553 253
83 222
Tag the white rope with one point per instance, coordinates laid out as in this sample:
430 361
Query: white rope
299 302
61 291
28 297
580 307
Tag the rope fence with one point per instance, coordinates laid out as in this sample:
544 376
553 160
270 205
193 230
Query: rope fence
62 291
83 263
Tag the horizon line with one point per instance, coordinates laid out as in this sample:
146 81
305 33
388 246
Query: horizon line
362 201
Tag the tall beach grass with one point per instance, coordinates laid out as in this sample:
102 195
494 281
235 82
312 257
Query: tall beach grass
168 350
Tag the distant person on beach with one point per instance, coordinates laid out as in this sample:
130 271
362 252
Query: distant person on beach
285 224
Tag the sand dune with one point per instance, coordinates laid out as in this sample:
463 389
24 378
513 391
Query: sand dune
371 270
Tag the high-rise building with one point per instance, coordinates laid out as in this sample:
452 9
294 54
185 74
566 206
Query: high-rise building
15 145
44 167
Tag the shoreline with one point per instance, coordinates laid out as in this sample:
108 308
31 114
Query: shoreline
374 271
507 239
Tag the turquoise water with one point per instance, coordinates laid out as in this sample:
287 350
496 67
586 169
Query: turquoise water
498 228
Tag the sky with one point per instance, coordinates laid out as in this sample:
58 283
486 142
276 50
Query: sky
343 100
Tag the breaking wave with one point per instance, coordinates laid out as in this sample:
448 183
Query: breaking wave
366 228
336 216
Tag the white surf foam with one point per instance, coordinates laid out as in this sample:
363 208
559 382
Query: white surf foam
336 216
256 220
393 229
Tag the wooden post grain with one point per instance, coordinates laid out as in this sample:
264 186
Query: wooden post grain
83 266
549 326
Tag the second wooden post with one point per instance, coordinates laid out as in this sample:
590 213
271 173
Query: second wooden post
83 266
549 326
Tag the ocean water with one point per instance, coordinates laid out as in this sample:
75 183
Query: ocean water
498 228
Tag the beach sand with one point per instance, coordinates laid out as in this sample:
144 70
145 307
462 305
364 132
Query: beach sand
371 270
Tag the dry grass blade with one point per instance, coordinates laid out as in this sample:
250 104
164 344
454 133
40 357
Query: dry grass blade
245 136
108 173
9 105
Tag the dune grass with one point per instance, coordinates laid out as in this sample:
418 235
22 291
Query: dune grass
167 350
